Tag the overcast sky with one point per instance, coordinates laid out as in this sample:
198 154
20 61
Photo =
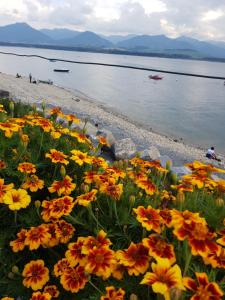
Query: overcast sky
204 19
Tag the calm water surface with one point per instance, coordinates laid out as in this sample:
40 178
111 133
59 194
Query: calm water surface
178 106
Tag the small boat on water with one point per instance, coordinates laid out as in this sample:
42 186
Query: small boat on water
155 77
61 70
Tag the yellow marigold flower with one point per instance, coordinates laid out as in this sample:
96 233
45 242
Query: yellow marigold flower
99 162
33 183
135 259
25 139
64 231
19 244
112 294
81 138
197 166
113 190
72 119
87 198
4 188
37 236
16 199
149 218
164 278
52 291
64 186
147 186
27 168
91 242
9 128
55 134
57 157
56 111
7 298
74 279
203 289
55 209
40 296
45 124
80 157
75 255
35 274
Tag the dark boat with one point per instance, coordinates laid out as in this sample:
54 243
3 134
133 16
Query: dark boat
155 77
61 70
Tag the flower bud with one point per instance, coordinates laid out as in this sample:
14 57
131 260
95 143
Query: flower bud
219 202
180 196
11 106
34 108
43 105
62 171
37 203
133 297
132 199
168 164
174 178
10 275
15 270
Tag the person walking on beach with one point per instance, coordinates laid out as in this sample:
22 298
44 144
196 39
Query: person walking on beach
30 77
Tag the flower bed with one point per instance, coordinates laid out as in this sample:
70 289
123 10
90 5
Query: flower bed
76 227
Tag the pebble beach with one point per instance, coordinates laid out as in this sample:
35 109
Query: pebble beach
86 108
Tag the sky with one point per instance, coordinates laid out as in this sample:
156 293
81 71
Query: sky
202 19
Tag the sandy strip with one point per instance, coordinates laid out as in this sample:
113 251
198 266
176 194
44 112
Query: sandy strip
84 107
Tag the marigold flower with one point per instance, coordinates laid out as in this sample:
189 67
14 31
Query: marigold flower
7 298
113 294
221 240
9 128
74 254
45 124
56 111
179 218
81 138
37 236
99 162
61 267
36 275
164 278
91 242
33 183
118 271
221 185
52 290
89 177
166 216
101 179
26 167
115 172
155 164
57 157
16 199
19 244
72 118
40 296
55 134
87 198
216 258
57 208
203 289
149 218
147 186
158 248
64 186
100 262
135 259
2 164
113 190
197 166
53 240
4 188
64 231
80 157
74 279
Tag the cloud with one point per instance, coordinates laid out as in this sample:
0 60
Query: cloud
201 19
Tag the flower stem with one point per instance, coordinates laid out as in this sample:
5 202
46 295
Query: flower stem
188 261
95 287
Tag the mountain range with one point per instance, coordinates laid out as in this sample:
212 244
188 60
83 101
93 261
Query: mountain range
142 44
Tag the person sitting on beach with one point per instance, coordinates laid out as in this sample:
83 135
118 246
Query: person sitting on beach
211 154
18 76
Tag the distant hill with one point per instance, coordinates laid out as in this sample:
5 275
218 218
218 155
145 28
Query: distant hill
118 38
86 39
60 33
23 33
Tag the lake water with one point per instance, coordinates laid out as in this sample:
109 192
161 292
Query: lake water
177 106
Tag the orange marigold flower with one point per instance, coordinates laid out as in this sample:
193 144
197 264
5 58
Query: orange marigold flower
7 298
166 216
19 244
115 172
102 140
87 198
45 124
60 207
64 186
37 236
52 290
99 162
9 128
221 240
80 157
221 185
179 218
4 188
203 289
26 167
101 179
197 166
74 254
149 218
89 177
200 239
118 271
61 267
158 248
81 138
35 274
40 296
56 111
33 183
16 199
53 240
74 279
57 157
113 190
64 231
91 242
100 262
155 164
46 212
216 258
135 259
147 186
113 294
72 118
164 278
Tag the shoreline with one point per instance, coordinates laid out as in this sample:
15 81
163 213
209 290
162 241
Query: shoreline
74 101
